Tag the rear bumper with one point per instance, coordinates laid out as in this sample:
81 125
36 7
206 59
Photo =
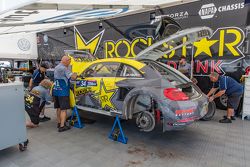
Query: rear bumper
181 114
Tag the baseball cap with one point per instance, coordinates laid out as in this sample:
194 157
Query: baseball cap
44 65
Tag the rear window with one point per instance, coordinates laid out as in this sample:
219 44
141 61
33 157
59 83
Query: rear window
168 74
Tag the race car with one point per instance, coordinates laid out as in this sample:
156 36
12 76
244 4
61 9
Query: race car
142 89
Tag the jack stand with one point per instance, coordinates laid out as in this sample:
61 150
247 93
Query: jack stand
77 124
116 133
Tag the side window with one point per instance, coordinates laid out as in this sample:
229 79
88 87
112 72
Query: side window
102 70
128 71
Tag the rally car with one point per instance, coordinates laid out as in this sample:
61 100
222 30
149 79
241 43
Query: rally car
142 88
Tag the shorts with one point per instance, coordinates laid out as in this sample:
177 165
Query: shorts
233 101
62 102
34 109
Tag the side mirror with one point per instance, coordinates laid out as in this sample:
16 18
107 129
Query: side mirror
81 76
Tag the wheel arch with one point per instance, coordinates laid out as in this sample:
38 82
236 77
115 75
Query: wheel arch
130 99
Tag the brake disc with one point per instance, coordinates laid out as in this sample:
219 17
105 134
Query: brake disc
145 121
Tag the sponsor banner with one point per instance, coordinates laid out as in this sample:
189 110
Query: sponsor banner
128 35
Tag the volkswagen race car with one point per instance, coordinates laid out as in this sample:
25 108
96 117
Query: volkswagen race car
142 89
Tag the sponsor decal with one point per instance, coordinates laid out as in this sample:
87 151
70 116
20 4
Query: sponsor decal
23 44
179 15
104 96
208 11
86 83
116 49
83 91
202 68
91 45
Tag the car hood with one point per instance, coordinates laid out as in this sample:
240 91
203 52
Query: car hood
173 42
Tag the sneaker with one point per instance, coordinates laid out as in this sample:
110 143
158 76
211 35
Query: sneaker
64 128
58 125
225 120
44 119
232 117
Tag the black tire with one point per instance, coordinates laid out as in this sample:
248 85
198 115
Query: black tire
211 111
221 102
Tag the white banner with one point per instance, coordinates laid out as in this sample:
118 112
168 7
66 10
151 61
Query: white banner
18 46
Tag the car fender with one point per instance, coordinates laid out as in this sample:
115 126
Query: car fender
129 100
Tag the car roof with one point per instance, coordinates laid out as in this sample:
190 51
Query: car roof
130 62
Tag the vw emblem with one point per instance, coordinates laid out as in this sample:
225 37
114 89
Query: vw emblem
23 44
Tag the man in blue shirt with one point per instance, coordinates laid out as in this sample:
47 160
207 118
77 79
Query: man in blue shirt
37 77
61 89
231 88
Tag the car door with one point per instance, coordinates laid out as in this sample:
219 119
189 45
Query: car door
96 86
126 79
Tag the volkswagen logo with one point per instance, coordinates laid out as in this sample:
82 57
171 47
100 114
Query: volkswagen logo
23 44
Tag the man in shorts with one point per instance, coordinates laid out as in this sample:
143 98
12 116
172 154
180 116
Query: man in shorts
231 88
61 89
35 101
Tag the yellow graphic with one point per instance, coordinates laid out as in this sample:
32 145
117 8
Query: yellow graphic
105 96
171 53
229 39
224 41
91 45
230 45
124 47
29 99
204 46
105 89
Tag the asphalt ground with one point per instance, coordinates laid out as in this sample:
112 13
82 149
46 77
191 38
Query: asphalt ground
203 144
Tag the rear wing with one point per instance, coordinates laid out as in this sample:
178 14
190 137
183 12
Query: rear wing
79 59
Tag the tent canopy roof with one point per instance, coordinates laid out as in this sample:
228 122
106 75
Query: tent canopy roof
42 15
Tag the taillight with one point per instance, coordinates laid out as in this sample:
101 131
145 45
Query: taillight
175 94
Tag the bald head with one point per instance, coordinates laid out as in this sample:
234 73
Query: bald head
65 60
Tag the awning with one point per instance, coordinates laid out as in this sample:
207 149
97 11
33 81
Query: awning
41 15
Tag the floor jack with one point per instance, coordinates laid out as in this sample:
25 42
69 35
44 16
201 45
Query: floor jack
76 123
116 133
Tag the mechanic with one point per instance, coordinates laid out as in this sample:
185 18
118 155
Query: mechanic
37 76
61 89
184 67
231 88
42 92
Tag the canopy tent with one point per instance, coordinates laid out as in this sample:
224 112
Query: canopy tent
41 15
18 46
21 19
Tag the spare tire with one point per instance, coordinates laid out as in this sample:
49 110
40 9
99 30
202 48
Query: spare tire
210 113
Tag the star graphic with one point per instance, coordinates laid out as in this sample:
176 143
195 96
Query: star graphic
204 46
105 96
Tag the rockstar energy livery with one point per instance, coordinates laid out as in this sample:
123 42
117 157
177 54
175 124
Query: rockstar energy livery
141 88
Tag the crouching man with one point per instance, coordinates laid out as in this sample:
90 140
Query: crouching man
36 100
231 88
